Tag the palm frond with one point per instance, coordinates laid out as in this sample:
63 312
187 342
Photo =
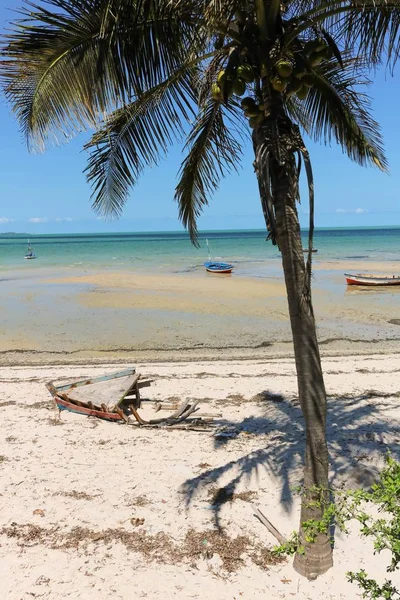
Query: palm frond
67 62
214 151
339 109
372 27
136 136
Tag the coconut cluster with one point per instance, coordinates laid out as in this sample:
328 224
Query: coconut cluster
233 82
291 74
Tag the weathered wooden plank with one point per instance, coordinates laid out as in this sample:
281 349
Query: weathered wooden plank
121 414
130 386
99 379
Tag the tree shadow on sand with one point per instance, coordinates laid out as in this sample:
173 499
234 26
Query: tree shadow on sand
359 428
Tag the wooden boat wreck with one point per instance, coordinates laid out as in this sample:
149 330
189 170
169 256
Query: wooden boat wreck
372 280
116 397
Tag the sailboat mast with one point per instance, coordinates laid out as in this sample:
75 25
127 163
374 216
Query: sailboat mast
208 248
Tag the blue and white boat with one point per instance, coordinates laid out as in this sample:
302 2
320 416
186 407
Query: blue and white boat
216 267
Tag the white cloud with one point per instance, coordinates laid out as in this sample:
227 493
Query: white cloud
6 220
353 211
38 220
50 220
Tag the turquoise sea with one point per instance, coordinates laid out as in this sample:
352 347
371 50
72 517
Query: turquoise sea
173 253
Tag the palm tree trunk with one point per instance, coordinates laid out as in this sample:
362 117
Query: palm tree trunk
283 184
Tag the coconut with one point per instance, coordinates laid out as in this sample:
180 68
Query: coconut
294 86
254 121
326 53
300 70
246 73
216 92
319 44
252 112
302 93
308 80
284 67
247 103
279 84
315 59
239 87
310 46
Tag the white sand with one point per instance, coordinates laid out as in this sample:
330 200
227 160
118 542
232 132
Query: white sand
98 476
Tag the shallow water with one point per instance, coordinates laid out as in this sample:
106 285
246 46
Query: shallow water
173 252
146 295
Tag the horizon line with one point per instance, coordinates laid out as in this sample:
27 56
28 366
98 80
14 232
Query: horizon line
184 232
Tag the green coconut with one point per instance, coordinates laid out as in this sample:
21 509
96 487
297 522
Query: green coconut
299 71
216 92
239 87
320 44
326 53
302 93
315 59
294 86
284 67
251 112
254 121
310 46
308 80
278 83
247 103
246 73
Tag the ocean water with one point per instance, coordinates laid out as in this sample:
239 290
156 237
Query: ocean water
165 253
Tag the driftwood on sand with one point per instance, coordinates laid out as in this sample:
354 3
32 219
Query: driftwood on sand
116 397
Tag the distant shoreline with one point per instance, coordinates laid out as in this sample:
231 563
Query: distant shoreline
184 233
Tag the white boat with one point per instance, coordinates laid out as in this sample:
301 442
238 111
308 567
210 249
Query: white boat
30 253
367 279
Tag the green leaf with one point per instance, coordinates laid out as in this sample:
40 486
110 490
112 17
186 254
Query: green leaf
136 136
213 151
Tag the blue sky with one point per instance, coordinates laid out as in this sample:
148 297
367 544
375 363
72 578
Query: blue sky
48 192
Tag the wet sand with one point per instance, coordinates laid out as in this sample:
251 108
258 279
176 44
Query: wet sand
72 315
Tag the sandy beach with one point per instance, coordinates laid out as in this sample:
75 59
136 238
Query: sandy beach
92 509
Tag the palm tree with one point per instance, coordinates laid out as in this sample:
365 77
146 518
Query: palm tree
146 73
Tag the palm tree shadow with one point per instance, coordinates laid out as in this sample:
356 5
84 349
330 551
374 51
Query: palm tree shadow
357 429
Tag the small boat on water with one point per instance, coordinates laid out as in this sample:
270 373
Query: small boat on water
313 250
216 267
372 280
30 253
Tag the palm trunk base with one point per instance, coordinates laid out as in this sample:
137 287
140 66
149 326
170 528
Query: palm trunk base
316 560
